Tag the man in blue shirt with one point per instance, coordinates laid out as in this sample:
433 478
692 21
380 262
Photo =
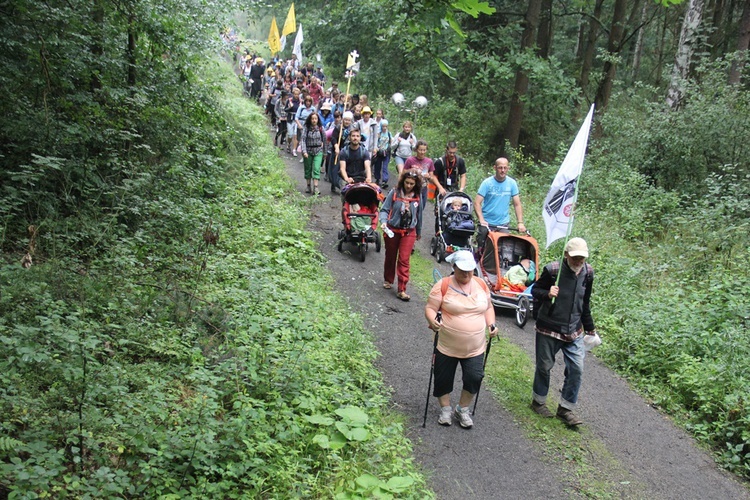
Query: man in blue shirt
492 202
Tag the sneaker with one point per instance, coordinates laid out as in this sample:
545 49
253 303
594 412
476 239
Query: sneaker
301 159
567 416
541 409
463 417
446 416
294 153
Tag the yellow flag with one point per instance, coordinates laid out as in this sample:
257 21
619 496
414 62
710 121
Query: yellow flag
290 25
274 41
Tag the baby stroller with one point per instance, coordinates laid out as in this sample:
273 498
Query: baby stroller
502 251
455 227
359 215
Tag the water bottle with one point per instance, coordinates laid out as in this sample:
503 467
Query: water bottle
388 232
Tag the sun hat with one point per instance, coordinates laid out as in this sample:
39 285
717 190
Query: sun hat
577 247
366 109
463 259
348 114
326 105
384 122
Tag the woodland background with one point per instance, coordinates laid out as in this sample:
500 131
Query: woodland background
129 161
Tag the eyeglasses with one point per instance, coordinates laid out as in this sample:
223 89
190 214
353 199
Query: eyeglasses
410 173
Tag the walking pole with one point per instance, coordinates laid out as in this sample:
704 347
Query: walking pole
486 355
429 382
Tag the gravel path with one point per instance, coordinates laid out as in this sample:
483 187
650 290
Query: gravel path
495 459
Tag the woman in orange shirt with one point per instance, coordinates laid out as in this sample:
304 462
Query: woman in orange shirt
463 302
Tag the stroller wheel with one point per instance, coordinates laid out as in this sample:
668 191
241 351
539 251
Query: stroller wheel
522 312
340 245
440 254
433 245
377 242
362 252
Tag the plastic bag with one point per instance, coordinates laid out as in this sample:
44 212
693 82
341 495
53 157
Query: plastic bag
591 341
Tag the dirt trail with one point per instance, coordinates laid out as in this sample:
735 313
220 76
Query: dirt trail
495 459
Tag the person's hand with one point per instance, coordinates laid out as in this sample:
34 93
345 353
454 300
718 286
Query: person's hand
435 325
554 291
419 237
485 224
493 331
350 180
521 227
442 191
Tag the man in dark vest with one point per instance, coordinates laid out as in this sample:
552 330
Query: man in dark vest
564 318
450 170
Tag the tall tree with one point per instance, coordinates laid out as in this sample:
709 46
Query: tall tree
589 49
614 45
684 55
515 115
742 45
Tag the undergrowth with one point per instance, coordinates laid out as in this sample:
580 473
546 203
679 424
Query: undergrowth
195 356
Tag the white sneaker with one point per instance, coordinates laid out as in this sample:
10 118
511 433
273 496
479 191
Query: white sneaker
446 416
294 153
463 417
302 159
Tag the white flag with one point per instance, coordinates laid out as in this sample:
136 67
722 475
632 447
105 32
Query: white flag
298 43
558 206
283 43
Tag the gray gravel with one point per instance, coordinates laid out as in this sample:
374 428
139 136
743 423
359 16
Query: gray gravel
495 459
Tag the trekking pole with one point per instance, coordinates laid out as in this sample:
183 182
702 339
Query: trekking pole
484 364
429 382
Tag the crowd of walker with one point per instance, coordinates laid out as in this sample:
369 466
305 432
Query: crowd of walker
338 136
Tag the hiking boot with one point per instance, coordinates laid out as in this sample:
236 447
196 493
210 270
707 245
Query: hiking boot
463 417
567 416
541 409
446 416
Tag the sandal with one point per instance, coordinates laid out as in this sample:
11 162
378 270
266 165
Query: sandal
307 190
403 296
387 285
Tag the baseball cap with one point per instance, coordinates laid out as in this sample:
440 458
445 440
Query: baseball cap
384 122
463 259
577 247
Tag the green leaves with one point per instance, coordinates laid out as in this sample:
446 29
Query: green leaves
473 7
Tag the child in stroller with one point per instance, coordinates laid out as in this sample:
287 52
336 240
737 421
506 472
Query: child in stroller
455 226
457 217
359 214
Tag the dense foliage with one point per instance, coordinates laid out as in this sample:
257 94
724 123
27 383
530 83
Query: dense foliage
195 356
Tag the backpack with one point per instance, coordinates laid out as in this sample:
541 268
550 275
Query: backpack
405 200
445 282
554 268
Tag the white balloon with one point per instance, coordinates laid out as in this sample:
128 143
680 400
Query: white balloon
420 101
398 98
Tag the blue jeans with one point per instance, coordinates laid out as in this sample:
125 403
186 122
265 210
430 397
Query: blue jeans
573 353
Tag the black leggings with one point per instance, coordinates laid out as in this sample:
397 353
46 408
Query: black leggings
472 370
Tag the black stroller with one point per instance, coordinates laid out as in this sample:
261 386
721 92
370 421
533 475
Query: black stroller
455 225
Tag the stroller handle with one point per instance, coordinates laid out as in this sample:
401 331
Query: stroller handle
508 228
357 214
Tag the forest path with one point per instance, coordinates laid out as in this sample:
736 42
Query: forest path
653 459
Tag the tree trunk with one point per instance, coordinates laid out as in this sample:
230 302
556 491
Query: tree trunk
131 58
742 45
614 45
97 45
684 54
662 43
515 115
544 37
638 51
590 50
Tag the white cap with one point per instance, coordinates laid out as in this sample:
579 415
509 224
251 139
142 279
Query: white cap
577 247
463 259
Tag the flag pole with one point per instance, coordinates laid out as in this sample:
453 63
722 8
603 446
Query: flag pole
346 102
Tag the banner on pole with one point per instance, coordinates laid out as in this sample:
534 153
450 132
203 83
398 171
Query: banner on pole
274 41
298 43
561 198
290 25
